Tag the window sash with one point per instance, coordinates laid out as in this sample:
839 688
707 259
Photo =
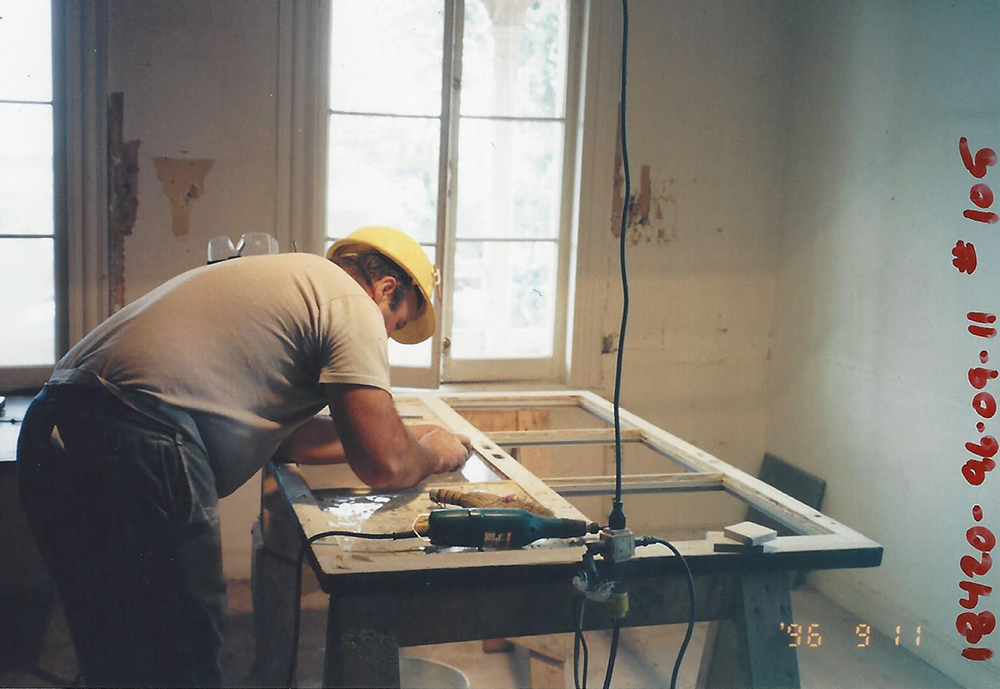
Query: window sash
307 40
540 368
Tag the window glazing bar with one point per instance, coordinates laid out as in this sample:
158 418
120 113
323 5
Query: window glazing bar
507 239
512 118
351 113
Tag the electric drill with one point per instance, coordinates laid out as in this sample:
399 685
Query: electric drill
499 528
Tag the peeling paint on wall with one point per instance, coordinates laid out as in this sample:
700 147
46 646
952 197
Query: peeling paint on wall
182 181
650 217
123 198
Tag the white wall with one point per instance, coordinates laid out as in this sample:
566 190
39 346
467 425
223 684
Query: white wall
200 82
867 384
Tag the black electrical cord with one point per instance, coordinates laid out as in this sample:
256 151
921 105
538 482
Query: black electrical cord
393 536
616 520
578 642
615 632
647 540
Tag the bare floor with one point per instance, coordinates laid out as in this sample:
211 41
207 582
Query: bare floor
832 657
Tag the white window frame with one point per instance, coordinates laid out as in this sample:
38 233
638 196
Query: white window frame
79 180
303 85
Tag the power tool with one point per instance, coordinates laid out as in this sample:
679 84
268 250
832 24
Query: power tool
499 528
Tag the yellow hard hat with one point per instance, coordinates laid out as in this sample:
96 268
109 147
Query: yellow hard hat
410 256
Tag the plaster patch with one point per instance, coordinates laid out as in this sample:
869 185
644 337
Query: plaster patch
182 181
650 217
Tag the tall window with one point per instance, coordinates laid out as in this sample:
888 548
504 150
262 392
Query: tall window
449 120
28 332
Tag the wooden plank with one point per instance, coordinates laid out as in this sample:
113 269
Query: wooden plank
793 482
529 607
751 649
567 436
502 400
636 483
767 609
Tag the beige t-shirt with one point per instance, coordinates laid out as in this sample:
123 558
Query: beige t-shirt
243 348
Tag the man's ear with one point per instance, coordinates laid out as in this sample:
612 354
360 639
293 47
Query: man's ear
386 287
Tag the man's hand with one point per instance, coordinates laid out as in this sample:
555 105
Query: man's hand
451 449
379 448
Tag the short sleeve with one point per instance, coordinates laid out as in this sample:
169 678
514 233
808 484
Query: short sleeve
353 343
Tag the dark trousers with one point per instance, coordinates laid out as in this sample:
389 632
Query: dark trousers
125 514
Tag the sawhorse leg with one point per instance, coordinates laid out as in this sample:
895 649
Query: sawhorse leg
360 657
752 649
273 572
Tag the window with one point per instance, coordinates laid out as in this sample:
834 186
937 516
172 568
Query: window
30 337
452 121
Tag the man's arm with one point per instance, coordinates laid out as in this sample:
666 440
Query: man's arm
379 448
314 442
317 442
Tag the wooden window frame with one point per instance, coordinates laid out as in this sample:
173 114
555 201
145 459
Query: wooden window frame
303 89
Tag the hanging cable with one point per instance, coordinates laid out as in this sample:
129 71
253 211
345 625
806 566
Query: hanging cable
578 642
393 536
615 632
616 520
647 540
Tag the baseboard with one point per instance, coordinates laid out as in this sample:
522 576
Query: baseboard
941 653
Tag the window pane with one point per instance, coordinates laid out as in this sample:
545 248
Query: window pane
386 56
25 50
504 296
383 171
509 179
27 302
25 169
514 58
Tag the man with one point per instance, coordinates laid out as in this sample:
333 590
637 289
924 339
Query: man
180 398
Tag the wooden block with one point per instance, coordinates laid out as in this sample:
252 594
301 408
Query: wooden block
750 533
497 645
722 544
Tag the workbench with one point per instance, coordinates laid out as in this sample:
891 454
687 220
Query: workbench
384 595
